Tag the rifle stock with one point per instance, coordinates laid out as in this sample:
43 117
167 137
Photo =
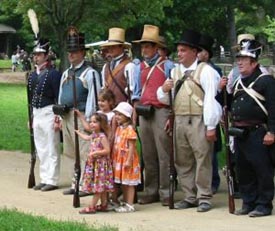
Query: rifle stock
31 180
77 169
172 170
228 169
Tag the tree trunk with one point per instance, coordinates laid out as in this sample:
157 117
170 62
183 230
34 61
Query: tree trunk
232 30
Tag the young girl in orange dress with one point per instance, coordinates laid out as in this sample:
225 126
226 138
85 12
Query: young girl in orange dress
98 173
125 157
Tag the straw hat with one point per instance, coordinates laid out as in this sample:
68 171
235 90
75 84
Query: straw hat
243 37
162 42
150 34
116 37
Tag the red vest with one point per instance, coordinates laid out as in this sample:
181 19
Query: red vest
156 79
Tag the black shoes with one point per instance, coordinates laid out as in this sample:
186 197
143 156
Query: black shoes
184 205
70 191
258 213
49 187
204 207
45 187
148 199
39 186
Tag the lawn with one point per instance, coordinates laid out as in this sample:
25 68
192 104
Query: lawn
14 134
5 63
12 220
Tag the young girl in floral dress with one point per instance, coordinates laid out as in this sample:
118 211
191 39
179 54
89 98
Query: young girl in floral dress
98 173
125 157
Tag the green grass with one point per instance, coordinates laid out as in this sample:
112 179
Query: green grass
14 134
12 220
5 63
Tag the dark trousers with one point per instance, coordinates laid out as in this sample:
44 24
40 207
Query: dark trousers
255 170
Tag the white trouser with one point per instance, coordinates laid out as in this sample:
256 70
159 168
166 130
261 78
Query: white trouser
47 143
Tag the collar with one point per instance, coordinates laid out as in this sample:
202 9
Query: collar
118 58
41 67
191 68
78 65
151 62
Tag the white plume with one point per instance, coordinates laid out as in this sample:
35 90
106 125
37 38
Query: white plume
33 21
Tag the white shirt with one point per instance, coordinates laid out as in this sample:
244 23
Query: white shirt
209 81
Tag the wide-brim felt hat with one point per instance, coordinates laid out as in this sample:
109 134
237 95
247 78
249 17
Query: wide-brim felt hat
250 48
75 40
190 38
116 37
150 34
206 43
42 46
162 42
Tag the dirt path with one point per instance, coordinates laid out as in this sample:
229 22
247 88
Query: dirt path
12 77
14 194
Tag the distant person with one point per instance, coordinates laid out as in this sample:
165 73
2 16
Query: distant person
98 171
14 61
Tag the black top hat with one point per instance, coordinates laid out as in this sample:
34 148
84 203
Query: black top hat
250 48
206 43
190 38
42 46
75 40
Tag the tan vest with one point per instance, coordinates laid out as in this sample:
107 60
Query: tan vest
189 99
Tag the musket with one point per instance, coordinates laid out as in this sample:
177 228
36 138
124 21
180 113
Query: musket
31 180
77 168
172 170
228 168
95 92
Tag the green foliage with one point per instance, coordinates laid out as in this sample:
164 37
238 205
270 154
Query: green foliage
269 30
17 221
14 134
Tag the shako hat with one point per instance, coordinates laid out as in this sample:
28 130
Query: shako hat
42 46
75 40
250 48
190 38
116 37
242 38
206 43
150 34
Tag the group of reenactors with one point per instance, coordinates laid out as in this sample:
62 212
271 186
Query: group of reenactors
192 88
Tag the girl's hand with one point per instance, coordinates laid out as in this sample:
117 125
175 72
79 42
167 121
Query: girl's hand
78 113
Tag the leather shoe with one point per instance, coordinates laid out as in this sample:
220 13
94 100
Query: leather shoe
258 213
184 205
243 211
84 194
148 199
39 186
203 207
165 201
49 187
69 191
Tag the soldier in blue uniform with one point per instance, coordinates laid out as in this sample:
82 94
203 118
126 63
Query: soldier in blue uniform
87 85
43 86
253 115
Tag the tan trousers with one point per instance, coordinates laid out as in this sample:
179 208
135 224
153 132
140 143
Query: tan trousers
193 158
155 150
69 142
